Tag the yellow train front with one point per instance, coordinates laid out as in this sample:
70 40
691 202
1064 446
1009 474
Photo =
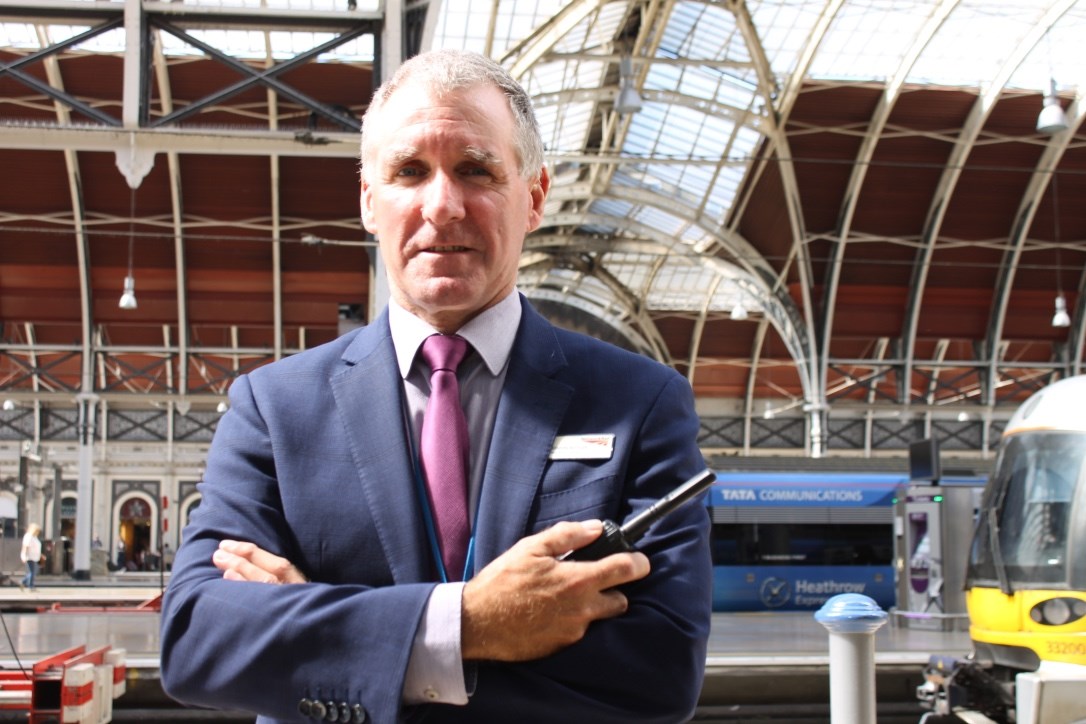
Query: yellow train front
1026 574
1026 580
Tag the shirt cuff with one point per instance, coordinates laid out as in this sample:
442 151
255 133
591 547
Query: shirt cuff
435 673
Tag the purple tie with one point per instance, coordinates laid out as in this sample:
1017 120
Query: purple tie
444 447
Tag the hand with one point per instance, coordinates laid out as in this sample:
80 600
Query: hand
242 561
527 604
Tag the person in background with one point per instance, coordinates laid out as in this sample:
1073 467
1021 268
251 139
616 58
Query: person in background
167 557
30 554
319 475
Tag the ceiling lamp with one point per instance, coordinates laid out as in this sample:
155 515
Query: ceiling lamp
1052 118
9 405
128 296
629 100
222 407
739 311
1061 318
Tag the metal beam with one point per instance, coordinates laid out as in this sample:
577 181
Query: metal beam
226 142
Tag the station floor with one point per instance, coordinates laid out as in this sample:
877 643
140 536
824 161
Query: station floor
756 661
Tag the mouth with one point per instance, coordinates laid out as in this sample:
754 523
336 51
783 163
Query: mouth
446 249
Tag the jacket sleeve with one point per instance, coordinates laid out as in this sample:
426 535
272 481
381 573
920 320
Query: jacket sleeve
274 649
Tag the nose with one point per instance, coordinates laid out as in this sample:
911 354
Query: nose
444 199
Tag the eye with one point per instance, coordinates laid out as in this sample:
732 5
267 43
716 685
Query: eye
476 171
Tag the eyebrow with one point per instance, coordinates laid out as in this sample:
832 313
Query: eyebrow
397 156
481 155
401 155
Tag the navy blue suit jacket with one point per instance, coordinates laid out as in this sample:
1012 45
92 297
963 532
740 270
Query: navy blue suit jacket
312 462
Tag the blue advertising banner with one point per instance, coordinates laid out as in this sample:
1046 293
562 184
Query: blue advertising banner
797 588
765 492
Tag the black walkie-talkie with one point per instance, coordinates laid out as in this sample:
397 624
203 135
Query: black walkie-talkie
616 539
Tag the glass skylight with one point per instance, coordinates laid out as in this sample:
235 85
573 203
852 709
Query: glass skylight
707 95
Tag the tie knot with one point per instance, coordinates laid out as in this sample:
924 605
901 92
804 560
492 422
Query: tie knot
444 351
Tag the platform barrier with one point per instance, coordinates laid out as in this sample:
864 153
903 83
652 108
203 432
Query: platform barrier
75 686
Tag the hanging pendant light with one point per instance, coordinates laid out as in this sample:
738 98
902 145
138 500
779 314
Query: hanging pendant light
1052 119
1061 318
629 100
128 296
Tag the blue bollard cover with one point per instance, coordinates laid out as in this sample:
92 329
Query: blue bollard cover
851 613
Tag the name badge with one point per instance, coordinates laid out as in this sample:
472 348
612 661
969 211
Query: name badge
583 447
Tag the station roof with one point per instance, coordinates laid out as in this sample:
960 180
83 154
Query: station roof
816 205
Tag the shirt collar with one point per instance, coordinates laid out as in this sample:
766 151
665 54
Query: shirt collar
490 333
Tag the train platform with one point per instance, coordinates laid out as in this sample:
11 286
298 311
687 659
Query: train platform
766 666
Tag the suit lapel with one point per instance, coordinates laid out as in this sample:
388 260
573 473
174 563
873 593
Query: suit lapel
368 398
529 414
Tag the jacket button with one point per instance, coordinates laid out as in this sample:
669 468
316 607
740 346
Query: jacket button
358 714
304 707
316 710
344 712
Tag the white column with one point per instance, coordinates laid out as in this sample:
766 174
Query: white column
852 619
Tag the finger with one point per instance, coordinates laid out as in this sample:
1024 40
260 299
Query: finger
238 548
563 537
610 604
241 569
279 568
620 568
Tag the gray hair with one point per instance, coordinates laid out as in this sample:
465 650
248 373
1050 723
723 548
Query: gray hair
447 71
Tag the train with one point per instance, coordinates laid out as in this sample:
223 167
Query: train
1025 580
789 541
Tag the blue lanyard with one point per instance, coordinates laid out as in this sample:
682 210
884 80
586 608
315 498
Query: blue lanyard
431 529
428 514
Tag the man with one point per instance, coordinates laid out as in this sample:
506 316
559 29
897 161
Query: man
30 554
315 470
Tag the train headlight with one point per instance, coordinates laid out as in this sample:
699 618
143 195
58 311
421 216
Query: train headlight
1058 611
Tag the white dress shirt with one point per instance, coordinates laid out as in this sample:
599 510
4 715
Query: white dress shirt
435 671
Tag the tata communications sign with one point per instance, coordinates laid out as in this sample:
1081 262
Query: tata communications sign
793 496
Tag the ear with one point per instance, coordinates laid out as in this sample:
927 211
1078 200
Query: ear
365 202
538 197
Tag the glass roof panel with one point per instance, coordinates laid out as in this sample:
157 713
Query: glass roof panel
631 270
564 126
612 207
463 24
700 31
1060 55
553 77
658 220
784 27
867 40
974 42
516 19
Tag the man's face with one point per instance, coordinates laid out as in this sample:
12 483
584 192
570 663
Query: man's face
444 195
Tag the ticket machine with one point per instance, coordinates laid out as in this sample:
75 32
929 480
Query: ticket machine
933 529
